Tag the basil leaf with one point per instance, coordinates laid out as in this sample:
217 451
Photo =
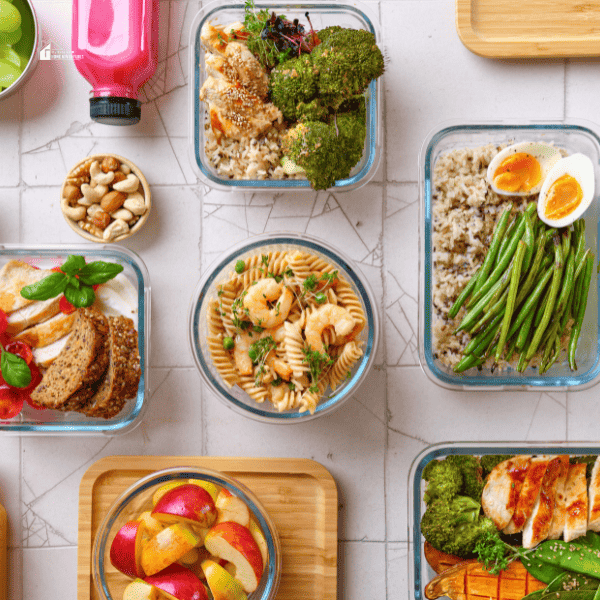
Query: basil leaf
15 370
73 264
84 296
73 282
46 288
98 272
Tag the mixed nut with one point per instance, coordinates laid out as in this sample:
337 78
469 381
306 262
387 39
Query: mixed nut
104 197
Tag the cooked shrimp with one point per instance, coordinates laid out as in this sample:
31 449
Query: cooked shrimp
279 366
257 301
243 362
328 315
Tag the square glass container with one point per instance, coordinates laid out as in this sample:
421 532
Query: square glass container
47 422
571 136
344 13
419 571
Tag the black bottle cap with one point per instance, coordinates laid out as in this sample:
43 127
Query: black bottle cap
113 110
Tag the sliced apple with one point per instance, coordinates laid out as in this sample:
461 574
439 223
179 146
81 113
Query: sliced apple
222 585
186 503
138 589
260 540
231 508
166 547
126 549
153 526
209 486
178 583
234 542
189 558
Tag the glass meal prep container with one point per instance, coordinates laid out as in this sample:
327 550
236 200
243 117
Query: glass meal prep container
420 572
573 137
137 299
344 13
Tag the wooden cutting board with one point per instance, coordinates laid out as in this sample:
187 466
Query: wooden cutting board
299 494
531 28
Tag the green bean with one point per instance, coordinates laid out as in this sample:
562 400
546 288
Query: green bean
468 362
529 238
540 312
524 331
490 257
512 295
482 348
549 344
470 318
556 278
536 267
579 265
566 241
507 237
576 329
464 295
567 284
473 345
496 302
580 241
512 346
565 317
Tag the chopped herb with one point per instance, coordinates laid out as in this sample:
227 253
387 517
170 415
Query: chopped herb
292 386
310 283
317 363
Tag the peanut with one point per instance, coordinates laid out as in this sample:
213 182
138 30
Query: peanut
113 201
109 163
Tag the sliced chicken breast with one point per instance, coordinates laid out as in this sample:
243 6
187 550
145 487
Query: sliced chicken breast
558 518
215 38
502 489
32 314
46 355
576 503
594 498
14 276
48 331
538 524
529 493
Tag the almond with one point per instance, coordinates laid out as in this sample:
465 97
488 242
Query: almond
113 201
100 219
72 193
109 164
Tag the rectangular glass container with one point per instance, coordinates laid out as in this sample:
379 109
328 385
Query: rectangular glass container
354 15
571 136
419 571
48 422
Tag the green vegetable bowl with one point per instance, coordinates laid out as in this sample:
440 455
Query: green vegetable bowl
420 571
346 14
19 44
437 340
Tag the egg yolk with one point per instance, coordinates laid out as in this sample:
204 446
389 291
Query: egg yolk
563 197
518 172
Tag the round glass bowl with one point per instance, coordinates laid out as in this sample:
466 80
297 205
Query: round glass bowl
110 583
207 291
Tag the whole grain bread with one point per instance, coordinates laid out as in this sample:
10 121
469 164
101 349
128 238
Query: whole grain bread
122 376
68 382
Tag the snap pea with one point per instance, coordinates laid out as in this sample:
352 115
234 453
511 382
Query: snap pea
569 581
576 329
512 296
570 556
490 257
556 279
543 571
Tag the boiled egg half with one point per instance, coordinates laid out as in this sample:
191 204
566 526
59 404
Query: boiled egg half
520 169
567 191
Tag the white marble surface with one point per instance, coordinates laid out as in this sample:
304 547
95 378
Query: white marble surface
369 444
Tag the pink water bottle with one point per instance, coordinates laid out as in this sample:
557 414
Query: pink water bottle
115 47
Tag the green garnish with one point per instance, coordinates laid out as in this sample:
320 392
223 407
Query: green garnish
240 266
320 298
75 279
310 283
228 343
258 353
15 371
317 362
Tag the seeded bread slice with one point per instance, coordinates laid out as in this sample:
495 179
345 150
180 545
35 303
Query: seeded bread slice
82 362
122 377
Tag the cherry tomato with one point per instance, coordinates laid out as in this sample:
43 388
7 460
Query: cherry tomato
11 402
3 321
57 269
65 306
96 286
36 377
20 349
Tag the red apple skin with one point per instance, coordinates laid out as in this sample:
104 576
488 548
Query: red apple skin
190 503
179 583
126 549
221 583
240 539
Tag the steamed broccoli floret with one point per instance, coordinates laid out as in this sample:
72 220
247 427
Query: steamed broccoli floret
444 480
455 526
294 83
472 474
489 461
327 151
347 61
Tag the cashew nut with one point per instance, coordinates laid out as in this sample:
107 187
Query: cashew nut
122 213
99 176
93 209
76 213
135 203
115 229
92 195
128 185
